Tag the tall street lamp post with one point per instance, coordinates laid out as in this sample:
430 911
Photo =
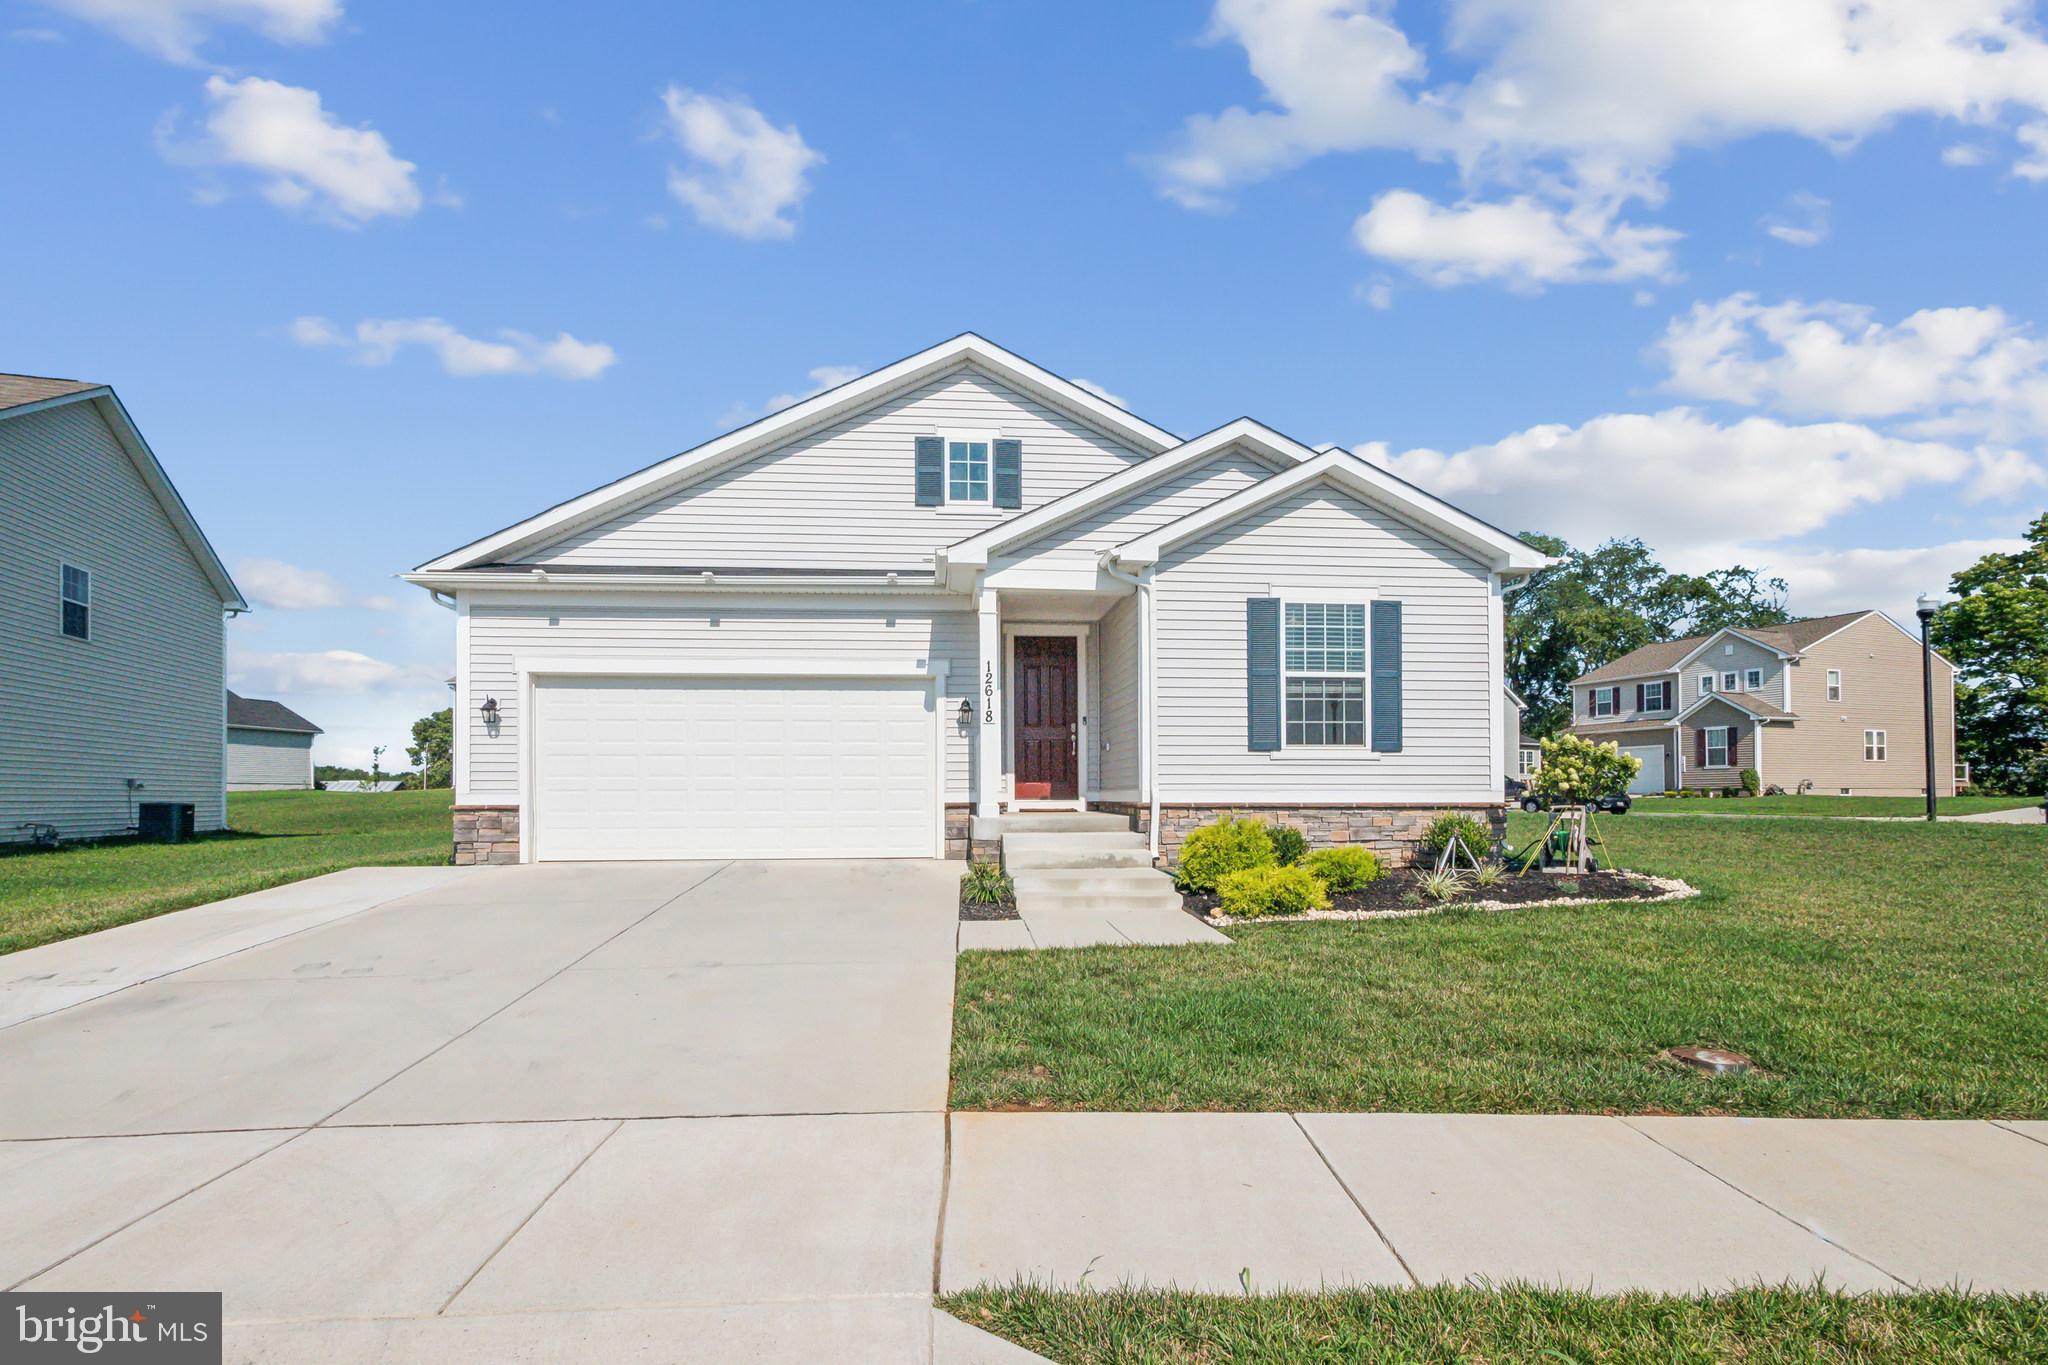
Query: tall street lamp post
1925 612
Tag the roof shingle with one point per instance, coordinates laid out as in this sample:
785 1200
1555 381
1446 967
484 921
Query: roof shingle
252 713
19 389
1663 656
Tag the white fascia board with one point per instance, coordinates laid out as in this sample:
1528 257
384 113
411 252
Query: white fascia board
129 437
552 582
976 549
1587 680
1502 552
819 411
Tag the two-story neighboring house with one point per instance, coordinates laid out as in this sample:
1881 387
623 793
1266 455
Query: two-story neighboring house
1831 705
959 588
112 624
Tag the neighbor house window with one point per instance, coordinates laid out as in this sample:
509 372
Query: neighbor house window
1531 760
1603 701
74 594
1873 746
967 471
1753 681
1706 683
1728 681
1323 655
1720 745
1657 696
1834 684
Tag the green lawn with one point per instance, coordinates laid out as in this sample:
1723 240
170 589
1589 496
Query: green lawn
1130 1327
277 837
1839 806
1870 969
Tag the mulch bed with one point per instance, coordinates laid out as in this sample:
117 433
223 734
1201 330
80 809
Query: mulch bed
970 910
1400 893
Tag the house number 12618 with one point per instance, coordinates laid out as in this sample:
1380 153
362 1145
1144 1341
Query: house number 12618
988 694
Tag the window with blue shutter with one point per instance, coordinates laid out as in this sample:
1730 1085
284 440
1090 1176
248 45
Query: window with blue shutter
1262 673
1386 677
931 471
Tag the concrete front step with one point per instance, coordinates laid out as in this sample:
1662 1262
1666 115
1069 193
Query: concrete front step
1062 822
1041 903
1105 881
1053 860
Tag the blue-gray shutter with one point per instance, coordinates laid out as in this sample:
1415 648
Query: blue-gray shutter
1009 474
1262 673
1386 677
931 471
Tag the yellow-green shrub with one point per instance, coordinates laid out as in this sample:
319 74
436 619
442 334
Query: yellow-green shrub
1213 851
1343 869
1257 892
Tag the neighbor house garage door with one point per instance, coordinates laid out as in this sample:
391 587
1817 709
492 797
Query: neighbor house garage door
733 768
1651 778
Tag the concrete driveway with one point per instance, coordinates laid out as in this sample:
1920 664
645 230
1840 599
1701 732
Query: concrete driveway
539 1112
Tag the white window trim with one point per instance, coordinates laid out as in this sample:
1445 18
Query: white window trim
1834 684
946 498
1593 710
1756 687
1707 684
1877 746
1730 681
1728 746
1309 594
1664 694
64 567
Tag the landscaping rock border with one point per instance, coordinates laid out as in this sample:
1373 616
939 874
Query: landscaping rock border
1668 889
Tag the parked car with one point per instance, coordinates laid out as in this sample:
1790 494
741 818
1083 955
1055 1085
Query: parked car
1606 805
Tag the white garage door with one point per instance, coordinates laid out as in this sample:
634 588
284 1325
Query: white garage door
734 768
1651 778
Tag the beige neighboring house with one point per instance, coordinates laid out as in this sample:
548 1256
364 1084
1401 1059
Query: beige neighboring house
112 625
270 746
1831 706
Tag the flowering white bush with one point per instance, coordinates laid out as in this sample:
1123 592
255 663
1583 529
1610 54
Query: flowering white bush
1579 770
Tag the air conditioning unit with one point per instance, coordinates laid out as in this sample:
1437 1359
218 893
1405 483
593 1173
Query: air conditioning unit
164 822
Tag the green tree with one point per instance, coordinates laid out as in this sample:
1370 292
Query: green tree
432 750
1996 634
1598 605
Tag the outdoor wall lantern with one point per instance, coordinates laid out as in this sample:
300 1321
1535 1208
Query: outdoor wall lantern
490 711
967 708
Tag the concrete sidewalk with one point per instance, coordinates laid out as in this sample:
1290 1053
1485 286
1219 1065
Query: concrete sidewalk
1211 1202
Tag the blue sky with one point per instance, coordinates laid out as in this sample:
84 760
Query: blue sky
1757 280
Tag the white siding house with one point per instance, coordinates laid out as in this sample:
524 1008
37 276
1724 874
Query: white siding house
270 746
962 587
111 623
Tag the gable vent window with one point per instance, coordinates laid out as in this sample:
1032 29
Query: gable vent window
967 471
75 602
1324 654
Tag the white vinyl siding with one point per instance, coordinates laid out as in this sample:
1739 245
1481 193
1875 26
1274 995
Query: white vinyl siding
1149 508
1316 538
1119 738
269 760
145 696
843 497
811 631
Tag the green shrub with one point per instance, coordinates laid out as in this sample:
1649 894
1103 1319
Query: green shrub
1343 869
1288 843
1751 782
1257 892
986 884
1212 852
1478 839
1579 770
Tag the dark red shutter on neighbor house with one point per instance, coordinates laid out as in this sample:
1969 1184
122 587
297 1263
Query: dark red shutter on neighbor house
1639 696
1701 736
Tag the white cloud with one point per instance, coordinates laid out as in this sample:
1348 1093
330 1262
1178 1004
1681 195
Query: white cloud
1964 154
822 377
745 176
1521 243
288 587
35 35
174 29
1585 103
1803 223
308 163
377 341
323 671
1949 370
2034 165
1681 480
1825 581
1104 394
1377 294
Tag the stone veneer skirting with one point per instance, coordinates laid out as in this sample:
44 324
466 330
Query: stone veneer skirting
486 834
1392 832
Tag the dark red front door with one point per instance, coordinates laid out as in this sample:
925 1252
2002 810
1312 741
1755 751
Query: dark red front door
1047 719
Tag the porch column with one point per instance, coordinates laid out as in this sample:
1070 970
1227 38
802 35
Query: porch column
988 707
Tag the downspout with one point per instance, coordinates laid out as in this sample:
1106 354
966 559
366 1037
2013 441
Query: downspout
1149 720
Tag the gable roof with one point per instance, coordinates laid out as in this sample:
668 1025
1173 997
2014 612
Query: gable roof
253 713
976 549
1369 483
816 412
1666 655
30 393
